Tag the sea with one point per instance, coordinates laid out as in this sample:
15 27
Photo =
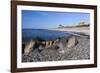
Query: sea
42 34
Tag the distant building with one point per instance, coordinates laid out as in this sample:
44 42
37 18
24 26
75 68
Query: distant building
82 23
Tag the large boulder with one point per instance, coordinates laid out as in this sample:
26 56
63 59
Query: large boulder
60 45
28 47
64 43
72 41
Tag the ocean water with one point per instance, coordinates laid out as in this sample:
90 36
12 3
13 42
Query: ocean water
42 34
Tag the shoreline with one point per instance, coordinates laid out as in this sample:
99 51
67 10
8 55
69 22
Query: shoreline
85 30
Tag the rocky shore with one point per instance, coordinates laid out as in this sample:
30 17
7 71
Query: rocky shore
79 48
79 52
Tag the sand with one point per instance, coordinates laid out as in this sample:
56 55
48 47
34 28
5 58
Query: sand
85 30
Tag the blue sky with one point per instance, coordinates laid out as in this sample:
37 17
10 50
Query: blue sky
47 20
